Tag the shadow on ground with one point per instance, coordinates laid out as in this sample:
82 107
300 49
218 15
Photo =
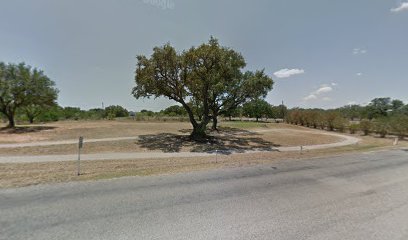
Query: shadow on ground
225 141
24 129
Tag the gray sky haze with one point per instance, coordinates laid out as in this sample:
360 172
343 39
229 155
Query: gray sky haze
320 53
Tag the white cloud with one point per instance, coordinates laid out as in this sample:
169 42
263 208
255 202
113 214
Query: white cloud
402 7
310 97
357 51
285 73
359 74
323 89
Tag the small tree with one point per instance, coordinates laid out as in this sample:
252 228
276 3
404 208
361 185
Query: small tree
256 108
353 128
330 118
174 110
22 86
365 126
399 125
381 126
116 111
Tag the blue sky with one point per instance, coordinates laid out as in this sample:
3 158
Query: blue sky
320 53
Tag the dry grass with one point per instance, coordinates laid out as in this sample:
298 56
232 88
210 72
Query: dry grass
18 175
165 137
24 174
65 130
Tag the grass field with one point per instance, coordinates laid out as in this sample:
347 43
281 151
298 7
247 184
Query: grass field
155 136
162 137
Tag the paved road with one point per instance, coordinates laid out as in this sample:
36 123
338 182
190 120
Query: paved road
361 196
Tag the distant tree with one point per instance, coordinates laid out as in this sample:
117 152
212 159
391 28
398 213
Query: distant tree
381 126
22 86
54 113
379 107
174 110
353 128
115 111
32 111
399 125
256 108
147 112
403 110
353 112
73 113
365 126
396 104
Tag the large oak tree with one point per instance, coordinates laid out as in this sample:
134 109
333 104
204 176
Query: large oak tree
24 87
208 77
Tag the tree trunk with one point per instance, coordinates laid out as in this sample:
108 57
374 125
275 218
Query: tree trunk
31 119
198 133
12 123
214 123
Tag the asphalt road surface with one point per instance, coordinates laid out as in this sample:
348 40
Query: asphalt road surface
362 196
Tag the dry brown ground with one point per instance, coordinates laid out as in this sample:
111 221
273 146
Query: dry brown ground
24 174
156 136
18 175
66 130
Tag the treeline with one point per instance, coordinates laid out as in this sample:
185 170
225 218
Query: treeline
57 113
381 116
257 108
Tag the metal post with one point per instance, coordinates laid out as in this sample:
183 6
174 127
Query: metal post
301 149
79 164
216 156
80 145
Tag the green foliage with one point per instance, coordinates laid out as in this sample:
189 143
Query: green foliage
51 115
353 128
379 107
331 119
24 87
382 116
174 110
257 108
399 125
112 112
209 76
381 126
340 123
365 126
71 113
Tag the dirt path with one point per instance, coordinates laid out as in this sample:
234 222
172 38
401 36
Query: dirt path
63 142
347 140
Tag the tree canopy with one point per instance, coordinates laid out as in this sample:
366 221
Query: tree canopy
22 86
206 80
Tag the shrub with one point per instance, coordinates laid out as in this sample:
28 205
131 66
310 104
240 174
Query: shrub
381 126
365 126
399 125
353 128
